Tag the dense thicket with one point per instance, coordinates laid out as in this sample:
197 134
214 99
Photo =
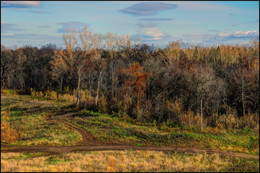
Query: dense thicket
143 82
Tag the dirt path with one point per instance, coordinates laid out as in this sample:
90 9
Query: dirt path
65 149
87 137
90 144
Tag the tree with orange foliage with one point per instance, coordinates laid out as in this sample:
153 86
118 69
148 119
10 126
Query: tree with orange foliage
136 78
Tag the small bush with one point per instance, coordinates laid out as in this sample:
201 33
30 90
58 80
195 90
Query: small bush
8 134
173 111
187 118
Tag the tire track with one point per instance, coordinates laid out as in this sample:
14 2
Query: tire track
87 137
65 149
90 144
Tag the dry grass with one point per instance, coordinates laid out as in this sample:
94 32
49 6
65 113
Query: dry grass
122 161
26 116
116 130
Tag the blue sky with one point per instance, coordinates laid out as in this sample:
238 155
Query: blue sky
38 23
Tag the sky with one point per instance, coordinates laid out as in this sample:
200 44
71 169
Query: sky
208 23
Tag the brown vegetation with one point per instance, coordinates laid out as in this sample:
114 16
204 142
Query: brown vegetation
8 134
112 74
123 161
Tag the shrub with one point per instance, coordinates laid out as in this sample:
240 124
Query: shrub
8 134
188 118
173 111
102 104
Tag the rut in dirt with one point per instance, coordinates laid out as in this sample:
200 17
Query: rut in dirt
66 149
87 137
90 144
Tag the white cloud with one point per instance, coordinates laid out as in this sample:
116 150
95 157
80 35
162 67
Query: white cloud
238 35
247 33
149 32
153 33
19 4
223 34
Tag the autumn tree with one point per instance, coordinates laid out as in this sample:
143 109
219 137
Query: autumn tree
76 55
209 88
58 70
135 83
8 64
113 43
153 82
45 56
172 52
100 68
245 86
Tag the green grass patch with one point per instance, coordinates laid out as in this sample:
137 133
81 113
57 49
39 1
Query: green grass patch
16 113
30 155
117 130
28 115
32 127
57 159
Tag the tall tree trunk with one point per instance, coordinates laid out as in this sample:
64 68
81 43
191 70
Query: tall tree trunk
189 117
243 99
57 94
138 109
78 93
112 75
61 81
201 115
8 82
99 83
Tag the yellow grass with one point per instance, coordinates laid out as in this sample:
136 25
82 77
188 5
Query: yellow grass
114 161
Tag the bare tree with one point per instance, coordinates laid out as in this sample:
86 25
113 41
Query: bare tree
58 71
172 52
208 87
77 54
113 42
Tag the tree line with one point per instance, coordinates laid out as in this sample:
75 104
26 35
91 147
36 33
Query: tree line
138 80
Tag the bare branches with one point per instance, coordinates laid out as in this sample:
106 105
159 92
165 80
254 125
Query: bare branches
205 80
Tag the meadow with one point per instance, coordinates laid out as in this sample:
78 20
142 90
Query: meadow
27 117
124 161
157 94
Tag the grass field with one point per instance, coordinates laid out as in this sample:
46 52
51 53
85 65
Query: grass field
118 130
122 161
27 116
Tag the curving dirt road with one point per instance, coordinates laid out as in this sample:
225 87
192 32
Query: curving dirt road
87 137
90 144
65 149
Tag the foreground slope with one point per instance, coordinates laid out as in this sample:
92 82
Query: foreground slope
56 131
